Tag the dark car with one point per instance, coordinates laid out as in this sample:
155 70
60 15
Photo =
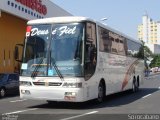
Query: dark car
9 84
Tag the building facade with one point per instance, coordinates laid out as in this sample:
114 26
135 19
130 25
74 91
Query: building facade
14 15
149 32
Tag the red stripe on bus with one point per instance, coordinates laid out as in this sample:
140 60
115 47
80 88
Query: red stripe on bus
128 74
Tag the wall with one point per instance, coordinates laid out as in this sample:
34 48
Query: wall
12 31
18 9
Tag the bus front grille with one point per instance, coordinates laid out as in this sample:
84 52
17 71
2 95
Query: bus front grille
47 84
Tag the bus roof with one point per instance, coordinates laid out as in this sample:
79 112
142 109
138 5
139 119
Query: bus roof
65 19
118 32
69 19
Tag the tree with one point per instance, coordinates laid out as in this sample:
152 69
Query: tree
155 62
147 54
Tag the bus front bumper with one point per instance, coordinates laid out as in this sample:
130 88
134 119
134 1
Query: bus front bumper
52 94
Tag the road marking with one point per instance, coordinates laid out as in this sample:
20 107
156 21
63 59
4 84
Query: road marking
73 117
146 96
18 100
19 111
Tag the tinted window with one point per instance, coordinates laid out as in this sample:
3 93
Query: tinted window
134 49
3 76
16 77
48 46
104 41
111 42
11 77
90 50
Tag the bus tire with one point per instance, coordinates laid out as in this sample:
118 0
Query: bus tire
51 102
138 83
135 85
2 92
101 92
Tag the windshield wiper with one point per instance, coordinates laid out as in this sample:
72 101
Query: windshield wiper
34 73
57 70
54 63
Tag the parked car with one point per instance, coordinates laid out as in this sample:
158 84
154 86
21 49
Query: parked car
9 84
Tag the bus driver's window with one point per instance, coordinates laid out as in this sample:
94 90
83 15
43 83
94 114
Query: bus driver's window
90 50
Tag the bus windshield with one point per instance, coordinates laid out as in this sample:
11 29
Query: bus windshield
49 46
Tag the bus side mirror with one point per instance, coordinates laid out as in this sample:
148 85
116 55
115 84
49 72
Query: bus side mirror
18 52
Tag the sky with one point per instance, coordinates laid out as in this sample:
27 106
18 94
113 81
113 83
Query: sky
122 15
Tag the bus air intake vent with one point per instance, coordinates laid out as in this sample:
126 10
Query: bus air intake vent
55 84
49 83
39 83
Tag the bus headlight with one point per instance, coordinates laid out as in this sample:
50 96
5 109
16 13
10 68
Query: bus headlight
27 92
25 83
73 85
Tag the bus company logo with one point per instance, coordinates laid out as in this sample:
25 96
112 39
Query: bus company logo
35 31
28 31
64 30
34 5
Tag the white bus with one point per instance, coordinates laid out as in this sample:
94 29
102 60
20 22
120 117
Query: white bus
77 59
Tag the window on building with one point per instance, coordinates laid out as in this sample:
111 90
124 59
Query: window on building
29 12
22 9
8 2
15 6
25 10
12 4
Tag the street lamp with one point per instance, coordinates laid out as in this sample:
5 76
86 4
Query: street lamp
103 20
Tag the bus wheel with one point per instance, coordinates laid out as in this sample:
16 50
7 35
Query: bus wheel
135 86
2 92
51 102
101 91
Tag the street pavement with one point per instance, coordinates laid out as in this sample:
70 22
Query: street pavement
122 106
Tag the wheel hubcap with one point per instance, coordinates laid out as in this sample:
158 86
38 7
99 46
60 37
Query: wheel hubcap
2 93
100 94
133 87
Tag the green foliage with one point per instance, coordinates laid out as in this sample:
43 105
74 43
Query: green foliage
147 52
155 62
141 53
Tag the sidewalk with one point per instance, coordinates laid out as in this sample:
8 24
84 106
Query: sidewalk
151 74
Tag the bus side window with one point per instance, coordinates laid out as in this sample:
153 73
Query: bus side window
90 50
104 40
